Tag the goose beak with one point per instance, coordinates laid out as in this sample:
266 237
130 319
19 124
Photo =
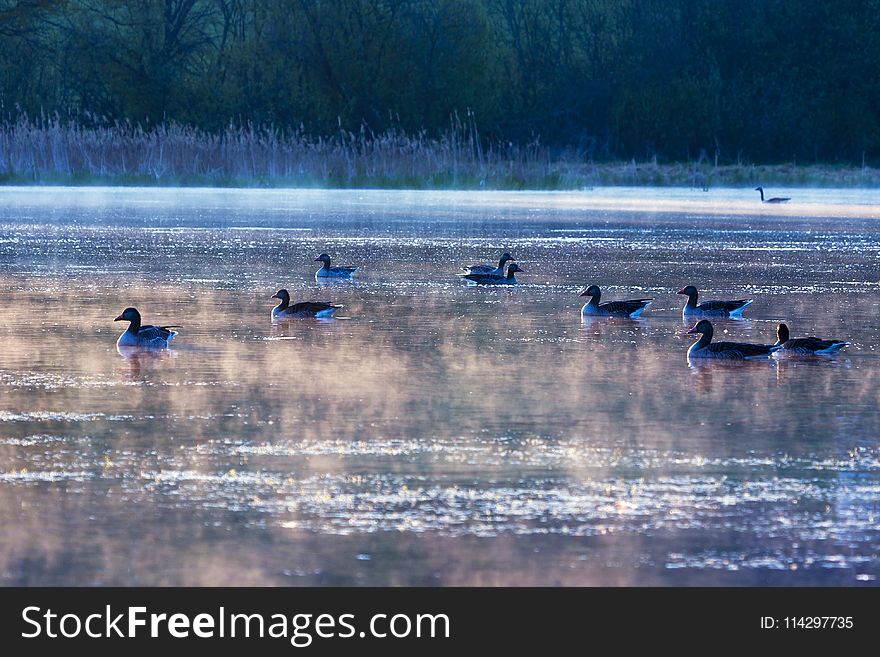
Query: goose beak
119 319
583 294
693 330
681 291
318 260
275 296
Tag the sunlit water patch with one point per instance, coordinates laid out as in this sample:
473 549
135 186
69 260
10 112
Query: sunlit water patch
444 433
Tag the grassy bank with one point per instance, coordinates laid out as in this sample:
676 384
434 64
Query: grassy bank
49 152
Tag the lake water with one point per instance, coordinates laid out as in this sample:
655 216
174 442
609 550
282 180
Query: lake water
436 433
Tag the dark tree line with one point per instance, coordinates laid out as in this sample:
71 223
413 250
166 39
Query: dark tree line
749 80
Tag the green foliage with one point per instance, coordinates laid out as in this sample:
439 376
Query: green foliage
727 81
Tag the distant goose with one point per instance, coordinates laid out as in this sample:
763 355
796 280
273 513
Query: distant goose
775 199
711 308
143 336
332 272
809 345
491 279
628 308
489 269
705 348
303 309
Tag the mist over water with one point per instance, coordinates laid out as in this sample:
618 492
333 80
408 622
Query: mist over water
437 433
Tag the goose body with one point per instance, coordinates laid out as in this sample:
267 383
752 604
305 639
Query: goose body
492 279
489 269
284 309
806 346
143 336
705 348
627 308
326 271
711 308
775 199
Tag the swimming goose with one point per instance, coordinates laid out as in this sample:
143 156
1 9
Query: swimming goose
489 269
628 308
302 309
332 272
809 345
712 308
144 336
491 279
705 348
775 199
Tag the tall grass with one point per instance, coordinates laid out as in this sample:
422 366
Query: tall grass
48 150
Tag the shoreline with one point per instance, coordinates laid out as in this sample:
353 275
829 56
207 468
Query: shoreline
560 176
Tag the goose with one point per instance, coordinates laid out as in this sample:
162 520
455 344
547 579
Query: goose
144 336
491 279
705 348
775 199
809 345
303 309
332 272
628 308
712 308
489 269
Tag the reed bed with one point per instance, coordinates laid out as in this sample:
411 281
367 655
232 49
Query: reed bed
48 150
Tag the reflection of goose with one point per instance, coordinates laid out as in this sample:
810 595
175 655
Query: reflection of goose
713 308
332 272
144 336
491 279
489 269
775 199
628 308
138 357
809 345
705 348
302 309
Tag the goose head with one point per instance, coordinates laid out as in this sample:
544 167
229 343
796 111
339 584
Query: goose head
513 269
759 189
689 290
505 258
704 326
323 258
782 333
283 295
592 291
129 315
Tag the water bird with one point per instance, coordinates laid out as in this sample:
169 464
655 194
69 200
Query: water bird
705 348
143 336
319 309
332 272
775 199
492 279
810 345
489 269
628 308
712 308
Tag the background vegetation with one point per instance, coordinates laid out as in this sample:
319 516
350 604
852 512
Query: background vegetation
701 81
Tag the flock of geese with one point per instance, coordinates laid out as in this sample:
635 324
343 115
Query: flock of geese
147 336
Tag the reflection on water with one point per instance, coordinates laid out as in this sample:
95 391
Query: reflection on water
438 433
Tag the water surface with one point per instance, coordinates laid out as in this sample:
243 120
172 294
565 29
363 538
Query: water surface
436 433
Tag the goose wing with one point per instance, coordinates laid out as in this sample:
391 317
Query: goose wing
483 279
627 307
479 269
310 307
729 306
739 349
812 345
149 332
